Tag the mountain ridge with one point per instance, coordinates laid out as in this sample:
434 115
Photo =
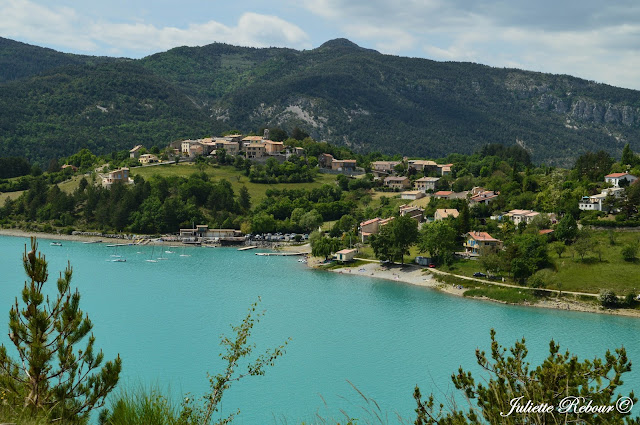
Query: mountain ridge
350 95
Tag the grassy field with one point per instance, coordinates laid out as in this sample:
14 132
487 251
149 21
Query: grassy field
591 274
588 275
367 252
9 195
66 186
235 177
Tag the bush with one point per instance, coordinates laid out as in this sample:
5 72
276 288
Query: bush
630 252
608 298
630 299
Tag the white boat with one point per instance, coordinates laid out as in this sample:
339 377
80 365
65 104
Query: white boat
56 244
169 252
119 260
151 260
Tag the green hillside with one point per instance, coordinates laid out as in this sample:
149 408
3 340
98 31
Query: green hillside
338 92
20 60
103 107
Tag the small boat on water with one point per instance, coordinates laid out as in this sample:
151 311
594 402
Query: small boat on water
119 260
169 252
151 260
99 241
56 244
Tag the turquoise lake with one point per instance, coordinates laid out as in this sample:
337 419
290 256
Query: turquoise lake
165 320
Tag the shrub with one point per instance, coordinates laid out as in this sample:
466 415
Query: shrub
608 298
630 252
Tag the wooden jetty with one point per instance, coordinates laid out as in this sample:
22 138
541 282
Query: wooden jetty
246 248
280 254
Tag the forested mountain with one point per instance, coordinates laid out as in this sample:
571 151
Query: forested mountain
102 107
19 60
338 92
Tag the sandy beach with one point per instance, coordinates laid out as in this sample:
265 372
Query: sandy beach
419 276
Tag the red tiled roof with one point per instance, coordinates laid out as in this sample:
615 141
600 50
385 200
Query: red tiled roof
616 175
373 220
482 236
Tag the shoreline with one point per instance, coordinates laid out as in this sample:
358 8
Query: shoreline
414 275
84 238
407 273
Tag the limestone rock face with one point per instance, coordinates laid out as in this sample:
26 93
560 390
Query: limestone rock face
628 115
585 110
553 103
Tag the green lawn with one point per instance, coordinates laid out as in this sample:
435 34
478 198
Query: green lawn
465 268
235 177
591 275
66 186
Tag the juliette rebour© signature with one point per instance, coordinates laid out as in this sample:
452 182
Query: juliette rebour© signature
568 405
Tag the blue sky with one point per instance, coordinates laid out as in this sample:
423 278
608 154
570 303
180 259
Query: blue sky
588 39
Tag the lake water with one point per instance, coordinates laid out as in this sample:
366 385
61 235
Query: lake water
165 320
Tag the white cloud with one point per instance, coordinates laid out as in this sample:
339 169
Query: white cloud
386 40
596 41
27 20
65 29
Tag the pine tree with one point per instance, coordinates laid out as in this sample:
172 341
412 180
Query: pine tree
51 376
244 199
628 157
565 390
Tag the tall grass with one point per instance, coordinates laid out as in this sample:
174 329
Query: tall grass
11 415
147 406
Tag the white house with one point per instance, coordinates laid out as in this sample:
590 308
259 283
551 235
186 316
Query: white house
412 195
426 183
518 216
346 255
595 202
616 178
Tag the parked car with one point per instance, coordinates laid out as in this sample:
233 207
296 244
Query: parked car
479 274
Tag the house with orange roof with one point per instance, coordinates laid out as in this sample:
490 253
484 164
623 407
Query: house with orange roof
616 178
443 194
484 197
441 214
371 227
476 242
